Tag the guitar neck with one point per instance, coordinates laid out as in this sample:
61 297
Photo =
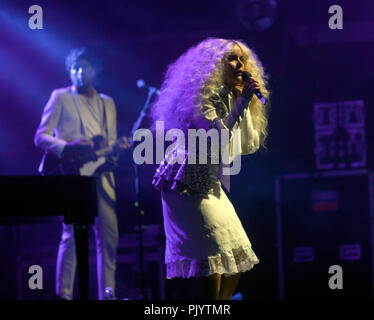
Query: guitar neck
104 152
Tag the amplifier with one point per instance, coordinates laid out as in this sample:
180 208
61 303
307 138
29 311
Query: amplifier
325 235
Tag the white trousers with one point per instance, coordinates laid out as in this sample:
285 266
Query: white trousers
106 238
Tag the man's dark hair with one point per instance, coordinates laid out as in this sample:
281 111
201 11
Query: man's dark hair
83 53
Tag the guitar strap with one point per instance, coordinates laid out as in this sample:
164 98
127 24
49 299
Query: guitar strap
105 124
110 163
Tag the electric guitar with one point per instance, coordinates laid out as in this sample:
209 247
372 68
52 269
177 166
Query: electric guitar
82 164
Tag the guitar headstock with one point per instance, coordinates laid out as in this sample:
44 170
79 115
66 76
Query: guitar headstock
124 142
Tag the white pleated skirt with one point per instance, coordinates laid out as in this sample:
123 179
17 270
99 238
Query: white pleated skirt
204 236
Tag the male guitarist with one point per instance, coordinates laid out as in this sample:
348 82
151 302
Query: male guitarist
71 117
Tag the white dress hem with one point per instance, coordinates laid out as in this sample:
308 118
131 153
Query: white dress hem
227 263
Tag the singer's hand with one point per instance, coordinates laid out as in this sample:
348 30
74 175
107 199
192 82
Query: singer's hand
249 88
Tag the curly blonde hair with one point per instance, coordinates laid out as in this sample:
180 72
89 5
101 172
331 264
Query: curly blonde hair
191 79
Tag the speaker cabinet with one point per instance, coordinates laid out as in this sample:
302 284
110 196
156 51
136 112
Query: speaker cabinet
324 220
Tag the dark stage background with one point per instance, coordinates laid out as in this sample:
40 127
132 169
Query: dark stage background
306 61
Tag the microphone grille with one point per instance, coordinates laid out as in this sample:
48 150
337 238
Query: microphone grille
140 83
246 76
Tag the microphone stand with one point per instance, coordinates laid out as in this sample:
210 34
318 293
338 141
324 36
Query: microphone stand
137 203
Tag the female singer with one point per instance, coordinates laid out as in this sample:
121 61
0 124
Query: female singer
204 89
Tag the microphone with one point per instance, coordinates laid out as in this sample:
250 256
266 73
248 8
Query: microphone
141 84
246 76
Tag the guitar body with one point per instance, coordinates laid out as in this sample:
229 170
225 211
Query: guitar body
82 164
53 165
91 168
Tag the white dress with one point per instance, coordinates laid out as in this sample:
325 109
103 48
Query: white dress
203 232
204 236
